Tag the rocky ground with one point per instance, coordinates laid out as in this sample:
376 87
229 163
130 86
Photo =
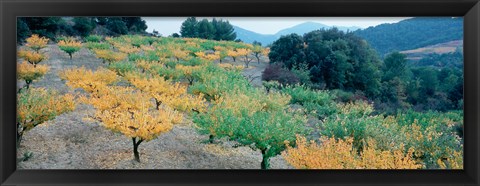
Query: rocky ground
70 142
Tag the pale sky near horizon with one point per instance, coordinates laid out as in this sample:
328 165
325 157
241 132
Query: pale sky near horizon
268 25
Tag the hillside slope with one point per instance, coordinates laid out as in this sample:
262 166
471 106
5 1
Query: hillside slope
412 33
441 48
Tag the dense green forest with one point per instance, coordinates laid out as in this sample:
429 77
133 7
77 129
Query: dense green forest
450 60
51 27
412 33
335 60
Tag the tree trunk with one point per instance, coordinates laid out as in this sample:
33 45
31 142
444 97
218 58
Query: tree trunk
70 56
135 148
190 81
258 59
19 135
158 103
210 138
265 160
27 84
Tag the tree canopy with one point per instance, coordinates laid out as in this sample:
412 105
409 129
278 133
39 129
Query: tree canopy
214 30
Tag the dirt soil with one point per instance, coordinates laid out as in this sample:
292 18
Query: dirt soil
70 142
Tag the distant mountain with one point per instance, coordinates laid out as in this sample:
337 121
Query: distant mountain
412 33
303 28
250 36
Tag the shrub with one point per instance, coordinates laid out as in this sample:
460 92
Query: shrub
314 101
275 72
435 137
352 120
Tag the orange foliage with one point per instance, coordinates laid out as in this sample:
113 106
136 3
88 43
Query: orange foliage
109 56
29 72
128 111
180 54
125 48
228 66
340 154
37 105
36 43
31 56
232 53
166 93
89 80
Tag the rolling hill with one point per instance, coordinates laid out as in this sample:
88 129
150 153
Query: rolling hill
412 33
441 48
250 36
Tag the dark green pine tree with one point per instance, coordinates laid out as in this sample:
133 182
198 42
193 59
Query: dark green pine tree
205 29
223 30
189 27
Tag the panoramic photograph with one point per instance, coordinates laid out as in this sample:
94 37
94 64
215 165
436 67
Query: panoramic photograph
240 93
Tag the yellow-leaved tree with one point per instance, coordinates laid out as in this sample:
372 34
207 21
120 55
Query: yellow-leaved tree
173 95
90 81
190 73
245 52
233 54
180 54
37 105
129 111
109 55
122 109
32 51
29 73
70 45
36 43
31 54
259 51
32 57
340 154
209 57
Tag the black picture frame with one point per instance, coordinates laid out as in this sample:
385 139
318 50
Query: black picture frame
469 9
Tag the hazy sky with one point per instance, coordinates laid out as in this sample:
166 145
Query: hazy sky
268 25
